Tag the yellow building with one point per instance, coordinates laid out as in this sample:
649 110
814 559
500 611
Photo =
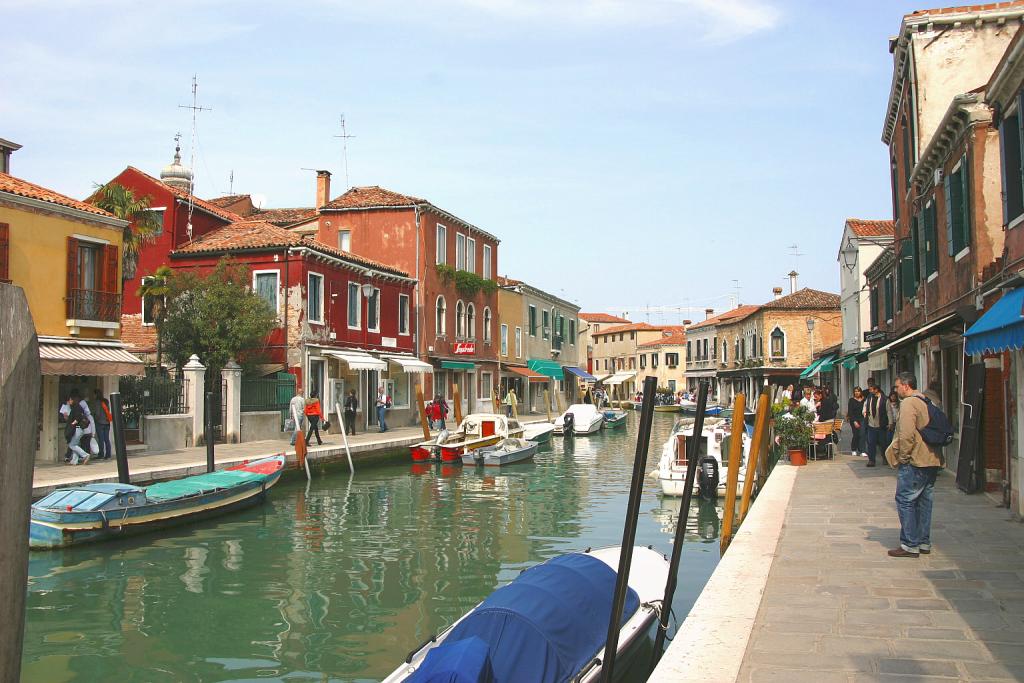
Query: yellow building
66 256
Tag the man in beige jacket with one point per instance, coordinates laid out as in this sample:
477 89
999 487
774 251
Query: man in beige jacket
917 465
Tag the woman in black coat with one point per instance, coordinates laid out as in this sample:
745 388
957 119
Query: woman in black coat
855 416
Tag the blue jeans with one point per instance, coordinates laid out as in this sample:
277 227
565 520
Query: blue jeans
875 436
914 489
380 418
103 439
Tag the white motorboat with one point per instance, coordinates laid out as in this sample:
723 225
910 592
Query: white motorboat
476 431
539 432
549 624
586 419
506 452
717 434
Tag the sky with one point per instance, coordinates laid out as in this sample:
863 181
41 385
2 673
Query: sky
665 154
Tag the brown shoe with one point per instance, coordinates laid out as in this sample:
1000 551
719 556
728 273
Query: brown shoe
900 552
870 464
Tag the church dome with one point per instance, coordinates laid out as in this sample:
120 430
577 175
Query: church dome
175 174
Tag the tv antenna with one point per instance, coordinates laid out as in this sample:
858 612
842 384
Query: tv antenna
192 163
344 147
231 182
796 257
735 296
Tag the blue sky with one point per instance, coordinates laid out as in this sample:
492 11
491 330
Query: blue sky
628 153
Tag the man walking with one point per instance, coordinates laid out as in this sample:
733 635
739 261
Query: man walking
382 407
297 411
917 466
76 422
876 419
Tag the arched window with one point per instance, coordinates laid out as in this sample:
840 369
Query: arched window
460 320
440 329
471 321
487 325
778 343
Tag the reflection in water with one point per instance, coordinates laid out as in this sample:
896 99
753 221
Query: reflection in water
702 524
340 581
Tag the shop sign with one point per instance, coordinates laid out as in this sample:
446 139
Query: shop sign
463 348
875 336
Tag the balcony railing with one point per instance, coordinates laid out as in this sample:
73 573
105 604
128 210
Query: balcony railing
90 304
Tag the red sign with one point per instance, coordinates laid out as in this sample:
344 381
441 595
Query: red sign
461 348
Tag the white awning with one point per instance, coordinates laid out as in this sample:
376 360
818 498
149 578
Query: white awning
619 378
410 364
357 360
89 361
878 359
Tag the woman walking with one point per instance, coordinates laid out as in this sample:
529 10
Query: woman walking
855 415
314 414
351 406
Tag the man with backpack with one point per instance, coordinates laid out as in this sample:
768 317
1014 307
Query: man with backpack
916 452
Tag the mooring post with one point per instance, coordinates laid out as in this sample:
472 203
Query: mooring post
760 425
424 421
120 452
458 404
547 404
208 431
735 456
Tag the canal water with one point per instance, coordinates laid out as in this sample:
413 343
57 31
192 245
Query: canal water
338 582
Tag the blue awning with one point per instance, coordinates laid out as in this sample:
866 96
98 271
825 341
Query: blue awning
1001 328
579 372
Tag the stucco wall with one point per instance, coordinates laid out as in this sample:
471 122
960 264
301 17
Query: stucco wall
262 425
167 432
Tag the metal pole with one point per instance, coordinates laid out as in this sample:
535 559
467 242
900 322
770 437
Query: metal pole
636 487
120 453
208 431
692 465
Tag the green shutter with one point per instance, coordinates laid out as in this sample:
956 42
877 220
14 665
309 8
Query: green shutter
907 269
946 187
916 241
965 200
931 240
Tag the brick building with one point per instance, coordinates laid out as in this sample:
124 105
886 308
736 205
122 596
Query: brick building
703 356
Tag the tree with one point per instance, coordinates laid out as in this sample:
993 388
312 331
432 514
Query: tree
143 224
216 316
156 287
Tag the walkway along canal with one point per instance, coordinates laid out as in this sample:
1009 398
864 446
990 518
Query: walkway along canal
341 580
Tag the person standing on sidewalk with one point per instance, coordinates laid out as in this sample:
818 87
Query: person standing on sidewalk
76 422
511 402
382 407
101 413
917 465
876 417
351 406
314 414
855 416
297 412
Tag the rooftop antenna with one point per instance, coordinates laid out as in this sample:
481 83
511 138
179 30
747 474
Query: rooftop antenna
735 297
344 147
231 182
796 257
192 164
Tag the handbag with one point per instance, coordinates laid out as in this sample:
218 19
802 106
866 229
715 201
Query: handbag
326 425
289 424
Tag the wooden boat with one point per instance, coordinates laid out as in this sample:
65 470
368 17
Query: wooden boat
476 431
507 452
587 419
97 512
540 432
667 408
717 433
614 418
549 624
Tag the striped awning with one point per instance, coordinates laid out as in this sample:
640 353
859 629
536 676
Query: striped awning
90 361
619 378
409 364
357 360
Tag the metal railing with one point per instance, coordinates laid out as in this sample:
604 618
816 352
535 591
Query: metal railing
268 393
91 304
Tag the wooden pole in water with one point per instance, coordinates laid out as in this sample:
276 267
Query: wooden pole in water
424 422
547 404
495 400
733 476
120 451
643 441
760 425
558 400
458 404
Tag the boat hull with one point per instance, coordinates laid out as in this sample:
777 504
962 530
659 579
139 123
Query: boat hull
496 458
666 409
538 433
614 418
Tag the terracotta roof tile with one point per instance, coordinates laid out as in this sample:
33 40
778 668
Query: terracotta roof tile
227 200
806 298
374 195
632 327
283 217
735 315
676 339
968 8
23 188
256 234
507 281
199 203
603 318
871 228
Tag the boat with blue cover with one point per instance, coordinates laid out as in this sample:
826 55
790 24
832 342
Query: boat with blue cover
614 417
97 512
547 626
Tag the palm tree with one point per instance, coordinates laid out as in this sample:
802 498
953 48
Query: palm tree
157 286
143 224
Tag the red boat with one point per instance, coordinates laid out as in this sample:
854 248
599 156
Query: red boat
476 431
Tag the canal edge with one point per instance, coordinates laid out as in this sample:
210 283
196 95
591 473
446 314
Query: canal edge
709 645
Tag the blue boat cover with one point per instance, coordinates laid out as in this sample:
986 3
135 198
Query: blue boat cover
1001 328
464 661
545 626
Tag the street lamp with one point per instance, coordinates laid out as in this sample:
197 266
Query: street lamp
810 335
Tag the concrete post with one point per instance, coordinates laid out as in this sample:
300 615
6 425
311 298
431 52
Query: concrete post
232 376
195 375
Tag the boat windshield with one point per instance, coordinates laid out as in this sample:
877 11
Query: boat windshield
74 499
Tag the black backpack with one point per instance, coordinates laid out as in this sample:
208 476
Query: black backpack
939 430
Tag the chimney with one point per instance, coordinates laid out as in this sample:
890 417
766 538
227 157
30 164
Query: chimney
687 323
792 281
708 312
323 188
6 149
777 291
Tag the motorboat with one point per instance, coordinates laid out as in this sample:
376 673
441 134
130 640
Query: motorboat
97 512
717 434
506 452
614 418
476 431
549 624
539 432
690 408
586 419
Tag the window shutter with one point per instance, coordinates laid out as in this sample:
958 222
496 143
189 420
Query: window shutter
916 259
5 247
72 275
965 201
931 232
946 186
110 257
907 268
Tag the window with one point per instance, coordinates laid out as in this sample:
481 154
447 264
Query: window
442 244
354 304
486 386
487 325
471 321
157 216
397 387
440 313
874 307
373 311
689 351
572 331
778 343
931 242
672 359
471 255
606 364
315 298
643 361
654 360
504 340
345 240
916 262
519 342
714 347
1013 175
533 321
5 247
151 305
266 283
621 336
632 363
460 320
907 152
460 251
705 356
403 314
887 298
956 186
725 351
545 327
895 188
736 350
632 336
487 262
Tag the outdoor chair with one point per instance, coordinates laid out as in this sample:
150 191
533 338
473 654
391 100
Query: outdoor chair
822 436
837 431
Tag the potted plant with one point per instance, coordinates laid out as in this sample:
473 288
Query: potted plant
793 431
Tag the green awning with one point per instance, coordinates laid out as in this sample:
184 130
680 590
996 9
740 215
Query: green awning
851 361
812 369
457 365
828 365
548 368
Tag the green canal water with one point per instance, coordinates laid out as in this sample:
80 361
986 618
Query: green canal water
338 582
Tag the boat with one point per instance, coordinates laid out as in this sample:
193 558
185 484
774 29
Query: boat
539 432
614 418
476 431
690 408
667 408
506 452
97 512
586 419
717 434
549 624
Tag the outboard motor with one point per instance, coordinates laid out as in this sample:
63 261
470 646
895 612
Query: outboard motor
568 425
708 485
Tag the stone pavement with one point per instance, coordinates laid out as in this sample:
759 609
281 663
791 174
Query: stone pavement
837 608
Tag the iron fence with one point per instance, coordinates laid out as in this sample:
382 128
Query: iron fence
268 393
90 304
